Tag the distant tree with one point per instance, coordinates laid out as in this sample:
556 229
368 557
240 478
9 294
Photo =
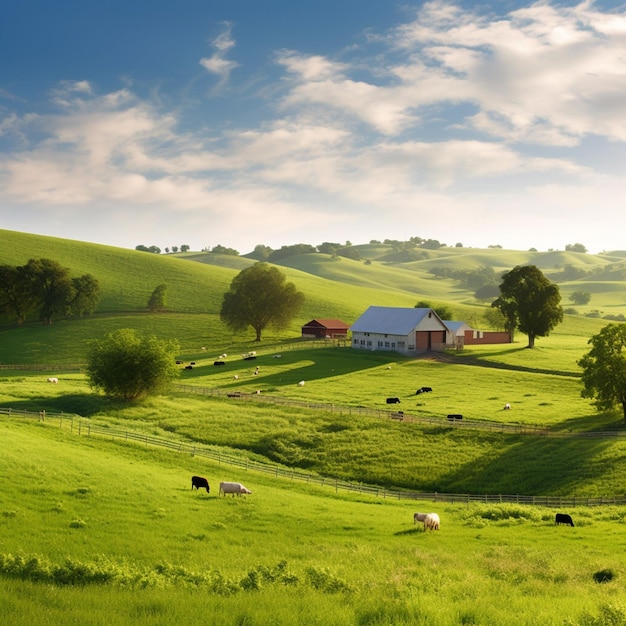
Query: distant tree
87 294
487 292
604 368
51 286
152 249
174 249
184 248
328 247
580 297
130 367
350 252
458 244
494 319
444 312
259 296
158 298
575 247
219 249
532 249
374 242
497 245
16 295
294 250
432 244
261 252
529 302
167 250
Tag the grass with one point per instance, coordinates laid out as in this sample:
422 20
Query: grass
94 531
351 559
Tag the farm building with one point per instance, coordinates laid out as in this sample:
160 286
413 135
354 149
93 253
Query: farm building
322 329
411 331
401 329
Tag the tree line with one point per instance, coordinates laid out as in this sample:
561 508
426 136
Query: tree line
45 288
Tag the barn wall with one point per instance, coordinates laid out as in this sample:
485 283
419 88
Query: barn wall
473 337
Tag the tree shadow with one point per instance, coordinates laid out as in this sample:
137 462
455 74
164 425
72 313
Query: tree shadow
83 404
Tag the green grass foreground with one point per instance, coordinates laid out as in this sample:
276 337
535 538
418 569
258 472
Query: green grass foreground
97 532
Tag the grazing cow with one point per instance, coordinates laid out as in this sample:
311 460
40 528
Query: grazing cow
301 383
393 400
236 377
431 521
53 380
419 517
200 482
277 356
455 416
192 363
563 518
507 406
219 363
234 488
179 362
188 367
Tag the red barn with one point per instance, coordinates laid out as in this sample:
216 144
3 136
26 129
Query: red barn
321 329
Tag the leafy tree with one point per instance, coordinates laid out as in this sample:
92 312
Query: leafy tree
444 312
158 298
86 294
219 249
184 248
604 368
261 252
580 297
259 296
529 302
51 286
575 247
130 367
152 249
16 295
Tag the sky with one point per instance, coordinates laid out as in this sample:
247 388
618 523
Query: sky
243 122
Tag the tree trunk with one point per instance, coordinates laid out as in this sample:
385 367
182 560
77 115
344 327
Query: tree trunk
531 341
258 334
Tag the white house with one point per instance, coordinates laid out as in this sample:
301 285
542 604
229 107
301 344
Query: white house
404 330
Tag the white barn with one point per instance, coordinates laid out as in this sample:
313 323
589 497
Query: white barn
404 330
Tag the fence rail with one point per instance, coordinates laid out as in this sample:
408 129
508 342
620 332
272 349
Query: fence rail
82 427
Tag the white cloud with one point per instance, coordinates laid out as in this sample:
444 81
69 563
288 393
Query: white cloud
217 63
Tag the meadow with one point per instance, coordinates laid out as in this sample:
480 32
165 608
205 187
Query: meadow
96 531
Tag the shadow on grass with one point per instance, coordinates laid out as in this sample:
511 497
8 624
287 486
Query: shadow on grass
83 404
418 530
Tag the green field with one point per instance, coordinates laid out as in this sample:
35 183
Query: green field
101 531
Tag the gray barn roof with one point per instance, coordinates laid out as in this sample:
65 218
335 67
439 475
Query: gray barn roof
389 320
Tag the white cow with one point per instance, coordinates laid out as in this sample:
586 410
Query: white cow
431 522
234 488
53 380
301 383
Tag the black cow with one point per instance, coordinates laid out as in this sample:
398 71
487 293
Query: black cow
219 363
188 367
393 400
200 482
563 518
455 416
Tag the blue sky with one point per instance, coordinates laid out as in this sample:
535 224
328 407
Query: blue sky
244 122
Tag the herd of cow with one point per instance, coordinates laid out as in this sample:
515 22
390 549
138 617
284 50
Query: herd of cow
431 521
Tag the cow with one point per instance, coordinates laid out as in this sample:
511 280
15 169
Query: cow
507 407
423 390
53 380
455 416
188 367
219 363
431 521
301 383
234 488
200 482
393 400
563 518
419 517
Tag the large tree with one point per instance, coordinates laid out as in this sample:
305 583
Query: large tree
16 295
131 367
259 296
52 288
604 368
529 302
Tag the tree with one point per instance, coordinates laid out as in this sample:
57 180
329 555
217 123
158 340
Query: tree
444 312
604 368
16 295
130 367
158 298
86 295
51 286
580 297
259 296
575 247
529 302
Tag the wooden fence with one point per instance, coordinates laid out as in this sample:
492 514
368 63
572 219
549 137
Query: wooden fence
84 428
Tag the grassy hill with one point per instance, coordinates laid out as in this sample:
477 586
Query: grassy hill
116 536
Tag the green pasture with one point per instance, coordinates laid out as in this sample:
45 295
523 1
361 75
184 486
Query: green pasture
127 540
101 531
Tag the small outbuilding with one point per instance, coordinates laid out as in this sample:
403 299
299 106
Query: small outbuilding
325 329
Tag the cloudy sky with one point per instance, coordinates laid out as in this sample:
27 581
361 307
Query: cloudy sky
244 122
